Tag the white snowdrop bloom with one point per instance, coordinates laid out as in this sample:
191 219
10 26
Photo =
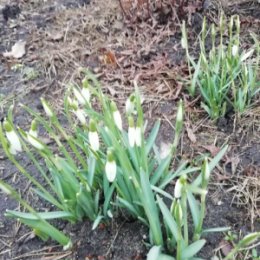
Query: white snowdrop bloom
35 142
93 136
234 50
86 94
179 116
79 96
110 169
130 105
81 116
138 136
131 136
33 133
118 120
46 108
93 140
13 138
177 189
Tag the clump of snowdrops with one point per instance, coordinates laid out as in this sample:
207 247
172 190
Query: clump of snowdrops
96 165
224 76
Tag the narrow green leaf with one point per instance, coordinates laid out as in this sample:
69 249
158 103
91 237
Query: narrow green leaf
152 137
150 208
193 249
168 217
217 229
43 215
194 208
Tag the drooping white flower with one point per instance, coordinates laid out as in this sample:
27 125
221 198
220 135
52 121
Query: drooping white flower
110 167
79 96
234 50
131 132
116 116
34 142
13 138
118 120
81 116
47 108
86 94
178 189
138 136
130 105
93 136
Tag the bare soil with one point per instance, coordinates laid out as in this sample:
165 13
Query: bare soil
62 36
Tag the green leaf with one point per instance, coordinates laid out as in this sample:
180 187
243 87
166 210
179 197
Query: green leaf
152 137
97 222
43 215
194 208
168 217
151 210
193 249
91 169
217 229
159 172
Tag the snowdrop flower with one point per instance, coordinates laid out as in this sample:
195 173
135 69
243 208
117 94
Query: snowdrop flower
206 170
80 113
85 92
130 105
47 108
13 138
117 116
32 136
178 189
110 167
93 136
138 136
178 211
234 50
131 132
79 96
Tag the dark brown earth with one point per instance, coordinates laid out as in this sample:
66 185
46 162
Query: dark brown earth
63 35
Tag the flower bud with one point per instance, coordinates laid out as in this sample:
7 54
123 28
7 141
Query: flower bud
130 105
117 116
93 136
234 50
80 113
205 170
138 136
47 108
178 189
13 138
131 132
110 167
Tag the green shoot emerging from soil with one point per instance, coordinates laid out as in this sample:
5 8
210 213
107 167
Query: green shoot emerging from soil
93 166
225 76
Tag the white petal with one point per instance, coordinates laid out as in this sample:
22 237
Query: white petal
131 136
79 96
86 94
12 150
110 169
34 142
177 189
14 140
138 136
129 107
47 110
118 120
94 140
33 133
81 116
234 50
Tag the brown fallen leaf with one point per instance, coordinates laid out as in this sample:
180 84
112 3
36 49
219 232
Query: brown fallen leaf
18 50
190 134
212 149
225 247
